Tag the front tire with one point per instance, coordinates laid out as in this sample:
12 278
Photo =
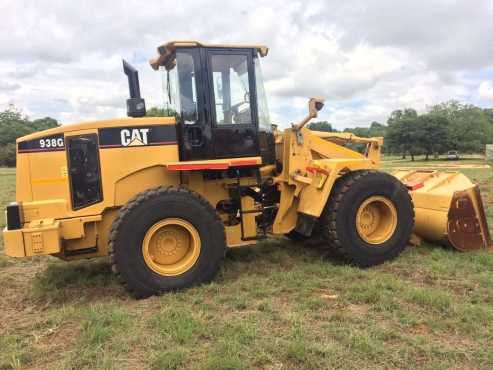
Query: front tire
368 219
165 239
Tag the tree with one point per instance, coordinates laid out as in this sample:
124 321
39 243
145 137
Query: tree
156 112
432 133
401 132
449 109
489 113
321 126
377 129
13 124
470 127
7 155
161 112
43 123
359 131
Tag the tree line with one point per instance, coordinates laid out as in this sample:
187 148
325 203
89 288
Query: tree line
446 126
14 124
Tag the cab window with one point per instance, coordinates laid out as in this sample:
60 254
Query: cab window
231 88
264 121
180 88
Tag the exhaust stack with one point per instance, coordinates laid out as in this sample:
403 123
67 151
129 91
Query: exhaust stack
136 106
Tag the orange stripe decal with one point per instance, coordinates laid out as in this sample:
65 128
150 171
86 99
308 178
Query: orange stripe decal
213 165
244 162
192 167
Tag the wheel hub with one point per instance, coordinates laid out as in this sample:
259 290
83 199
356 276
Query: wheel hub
168 245
171 247
376 220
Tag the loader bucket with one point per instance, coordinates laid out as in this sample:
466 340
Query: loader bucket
448 209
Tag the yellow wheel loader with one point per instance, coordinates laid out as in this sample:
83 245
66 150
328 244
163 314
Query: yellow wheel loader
165 196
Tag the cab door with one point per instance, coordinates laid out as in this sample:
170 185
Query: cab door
232 103
187 85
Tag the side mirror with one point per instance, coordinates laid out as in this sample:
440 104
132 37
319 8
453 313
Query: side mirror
314 106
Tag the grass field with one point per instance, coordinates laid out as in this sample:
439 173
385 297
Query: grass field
277 305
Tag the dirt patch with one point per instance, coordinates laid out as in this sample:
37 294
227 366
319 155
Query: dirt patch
53 342
16 281
358 309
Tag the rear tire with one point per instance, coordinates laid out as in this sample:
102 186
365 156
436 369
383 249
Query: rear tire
165 239
368 218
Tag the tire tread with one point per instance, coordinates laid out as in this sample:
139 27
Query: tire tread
125 211
332 209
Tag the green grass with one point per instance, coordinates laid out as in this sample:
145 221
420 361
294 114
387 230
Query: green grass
275 305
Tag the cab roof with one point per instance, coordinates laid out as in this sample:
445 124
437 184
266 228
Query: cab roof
165 51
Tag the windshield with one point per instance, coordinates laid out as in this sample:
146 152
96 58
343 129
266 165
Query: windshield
179 87
263 110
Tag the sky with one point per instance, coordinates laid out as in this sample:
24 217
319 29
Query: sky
366 58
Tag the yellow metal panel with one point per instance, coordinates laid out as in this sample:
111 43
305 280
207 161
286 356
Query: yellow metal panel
13 243
430 224
36 210
47 180
233 237
42 237
143 179
87 240
287 214
124 173
42 178
304 179
249 224
312 199
23 191
73 228
328 149
104 228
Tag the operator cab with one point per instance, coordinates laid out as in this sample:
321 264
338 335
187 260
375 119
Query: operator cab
217 95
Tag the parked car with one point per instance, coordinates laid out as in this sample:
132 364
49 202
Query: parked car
453 155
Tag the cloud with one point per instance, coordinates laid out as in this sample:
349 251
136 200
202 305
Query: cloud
8 87
446 34
485 91
63 59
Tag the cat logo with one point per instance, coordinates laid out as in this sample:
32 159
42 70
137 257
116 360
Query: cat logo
134 137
